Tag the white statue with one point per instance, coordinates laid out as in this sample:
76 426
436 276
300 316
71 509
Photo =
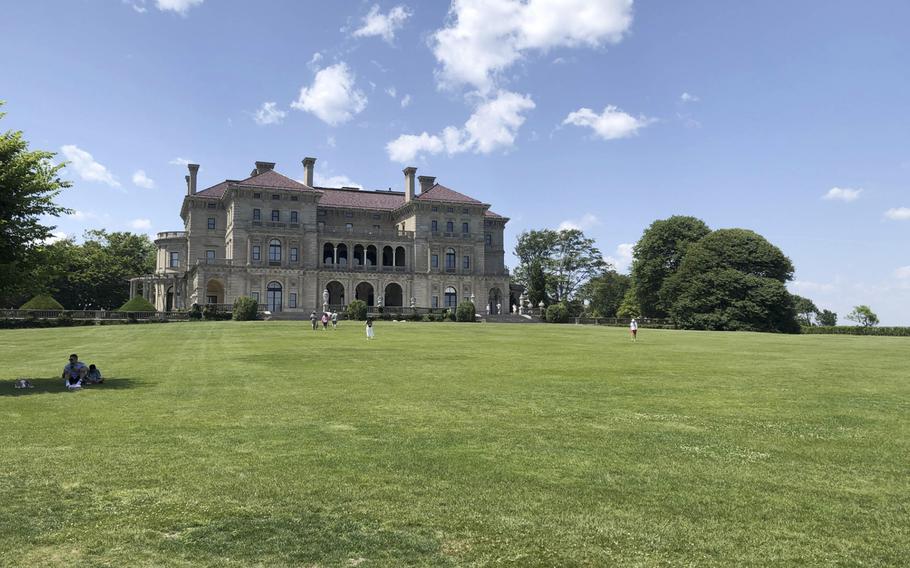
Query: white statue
499 308
325 296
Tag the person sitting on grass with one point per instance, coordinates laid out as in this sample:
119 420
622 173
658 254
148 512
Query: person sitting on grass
74 372
93 377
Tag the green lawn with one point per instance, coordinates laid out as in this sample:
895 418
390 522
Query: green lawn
235 444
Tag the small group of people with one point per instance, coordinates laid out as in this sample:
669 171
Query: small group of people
325 319
76 374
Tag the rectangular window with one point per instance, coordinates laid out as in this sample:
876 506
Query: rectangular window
255 296
376 216
257 214
175 260
292 300
348 214
211 205
256 252
276 196
209 257
211 222
293 216
465 210
434 261
294 198
257 195
450 227
377 228
466 262
465 228
276 215
434 209
434 225
450 209
435 302
488 239
349 227
321 213
211 299
293 254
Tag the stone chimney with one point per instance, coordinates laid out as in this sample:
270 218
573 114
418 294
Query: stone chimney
308 165
426 182
262 167
194 169
187 178
409 183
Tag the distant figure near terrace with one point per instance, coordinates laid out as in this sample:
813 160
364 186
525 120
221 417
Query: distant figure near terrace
285 243
633 329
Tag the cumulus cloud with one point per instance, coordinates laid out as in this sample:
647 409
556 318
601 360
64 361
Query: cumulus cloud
141 224
493 126
179 6
332 97
55 237
405 101
376 23
269 113
844 194
587 221
485 37
611 124
898 213
142 180
334 181
807 287
621 259
86 166
181 162
688 98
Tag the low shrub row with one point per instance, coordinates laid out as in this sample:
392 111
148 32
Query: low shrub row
65 321
856 330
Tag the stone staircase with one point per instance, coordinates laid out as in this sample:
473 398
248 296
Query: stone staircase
511 318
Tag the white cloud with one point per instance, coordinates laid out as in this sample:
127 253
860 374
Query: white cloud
332 97
622 257
55 237
392 92
898 213
493 125
587 221
180 162
405 101
611 124
142 180
485 37
688 98
844 194
141 224
334 181
314 61
179 6
903 273
807 288
330 141
269 113
383 25
86 166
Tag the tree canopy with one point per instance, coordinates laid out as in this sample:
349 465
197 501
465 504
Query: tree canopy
806 310
29 183
658 255
553 265
606 292
863 315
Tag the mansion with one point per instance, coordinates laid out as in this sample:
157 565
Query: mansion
285 242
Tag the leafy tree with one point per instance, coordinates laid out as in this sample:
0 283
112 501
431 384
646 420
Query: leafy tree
357 310
606 292
629 307
863 315
732 279
658 255
245 309
553 265
465 311
827 318
557 313
805 309
29 182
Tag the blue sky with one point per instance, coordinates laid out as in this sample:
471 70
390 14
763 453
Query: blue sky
788 118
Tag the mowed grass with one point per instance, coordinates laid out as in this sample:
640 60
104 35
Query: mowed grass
263 443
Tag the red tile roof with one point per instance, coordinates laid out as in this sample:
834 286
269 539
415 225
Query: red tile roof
272 179
442 193
216 191
489 213
360 199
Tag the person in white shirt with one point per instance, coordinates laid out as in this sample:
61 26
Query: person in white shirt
74 372
633 329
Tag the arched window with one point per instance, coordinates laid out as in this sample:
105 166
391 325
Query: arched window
274 251
450 259
342 252
328 254
451 297
387 256
273 297
399 256
371 255
358 255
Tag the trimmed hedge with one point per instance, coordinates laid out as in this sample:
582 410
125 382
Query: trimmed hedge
137 304
465 311
245 309
856 330
42 302
557 313
356 310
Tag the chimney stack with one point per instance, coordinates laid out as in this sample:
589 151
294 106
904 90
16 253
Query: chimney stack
262 167
308 165
426 182
187 179
409 183
194 169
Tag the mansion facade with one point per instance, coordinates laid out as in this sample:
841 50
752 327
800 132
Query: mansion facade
285 243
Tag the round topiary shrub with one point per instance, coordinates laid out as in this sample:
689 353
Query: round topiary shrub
465 311
356 310
137 304
558 313
245 309
195 312
42 302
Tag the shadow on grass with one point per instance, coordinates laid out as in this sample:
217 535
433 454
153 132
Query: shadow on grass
54 386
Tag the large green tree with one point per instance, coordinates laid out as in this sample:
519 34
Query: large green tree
559 261
29 183
732 279
827 317
658 255
806 310
863 315
606 292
